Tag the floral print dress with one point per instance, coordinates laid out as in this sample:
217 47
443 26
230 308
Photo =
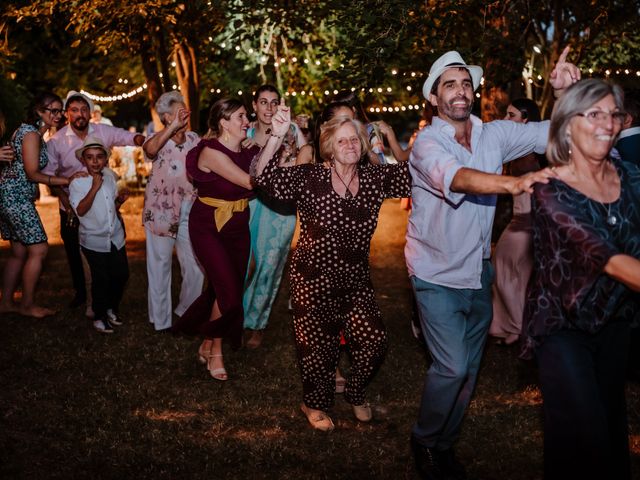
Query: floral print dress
168 187
19 219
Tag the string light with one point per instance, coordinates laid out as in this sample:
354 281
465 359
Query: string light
394 109
115 98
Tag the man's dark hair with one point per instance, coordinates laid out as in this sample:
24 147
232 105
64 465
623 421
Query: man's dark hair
632 107
434 88
76 98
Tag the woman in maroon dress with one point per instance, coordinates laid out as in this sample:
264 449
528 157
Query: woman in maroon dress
219 230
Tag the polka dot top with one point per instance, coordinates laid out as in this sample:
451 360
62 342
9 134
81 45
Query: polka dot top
335 232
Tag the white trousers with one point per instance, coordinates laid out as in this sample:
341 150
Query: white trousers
159 260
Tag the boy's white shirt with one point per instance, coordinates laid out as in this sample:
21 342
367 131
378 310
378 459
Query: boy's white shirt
100 226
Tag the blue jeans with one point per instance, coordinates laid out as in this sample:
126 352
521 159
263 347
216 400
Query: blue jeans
582 377
455 322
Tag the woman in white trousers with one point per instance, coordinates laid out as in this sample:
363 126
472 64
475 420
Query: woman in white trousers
167 203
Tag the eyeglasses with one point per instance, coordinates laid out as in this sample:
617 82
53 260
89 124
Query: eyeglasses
54 111
600 117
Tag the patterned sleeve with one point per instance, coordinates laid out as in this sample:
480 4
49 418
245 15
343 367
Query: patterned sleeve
397 180
282 183
571 249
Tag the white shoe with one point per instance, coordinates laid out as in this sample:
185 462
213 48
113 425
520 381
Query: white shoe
113 318
103 326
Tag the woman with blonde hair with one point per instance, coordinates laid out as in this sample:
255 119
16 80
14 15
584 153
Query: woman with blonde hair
338 202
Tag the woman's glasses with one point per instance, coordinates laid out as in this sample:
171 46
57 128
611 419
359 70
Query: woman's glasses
53 111
600 117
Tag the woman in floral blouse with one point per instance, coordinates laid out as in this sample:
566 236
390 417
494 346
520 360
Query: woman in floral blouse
167 203
583 293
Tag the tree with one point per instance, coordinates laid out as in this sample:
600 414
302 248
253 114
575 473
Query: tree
152 30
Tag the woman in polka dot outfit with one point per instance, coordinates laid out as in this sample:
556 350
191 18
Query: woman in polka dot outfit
338 203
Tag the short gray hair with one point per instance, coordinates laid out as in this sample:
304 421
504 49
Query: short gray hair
578 98
166 101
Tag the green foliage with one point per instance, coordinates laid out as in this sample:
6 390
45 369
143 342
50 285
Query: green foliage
375 45
13 104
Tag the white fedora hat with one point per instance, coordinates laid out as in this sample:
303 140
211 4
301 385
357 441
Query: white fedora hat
73 93
450 59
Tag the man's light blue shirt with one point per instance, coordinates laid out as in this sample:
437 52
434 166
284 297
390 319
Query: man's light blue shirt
449 233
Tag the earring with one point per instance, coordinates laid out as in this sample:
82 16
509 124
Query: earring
332 161
226 136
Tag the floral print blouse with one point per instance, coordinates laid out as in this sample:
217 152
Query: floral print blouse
574 238
167 187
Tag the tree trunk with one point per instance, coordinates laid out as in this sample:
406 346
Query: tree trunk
164 61
154 86
187 72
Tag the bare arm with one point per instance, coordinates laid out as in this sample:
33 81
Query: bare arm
85 204
625 269
398 152
152 146
305 154
279 127
300 140
31 159
468 180
211 160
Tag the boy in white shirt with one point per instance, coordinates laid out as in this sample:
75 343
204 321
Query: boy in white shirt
101 232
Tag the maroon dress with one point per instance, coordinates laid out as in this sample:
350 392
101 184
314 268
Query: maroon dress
223 254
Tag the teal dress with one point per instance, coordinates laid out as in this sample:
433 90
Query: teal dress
271 224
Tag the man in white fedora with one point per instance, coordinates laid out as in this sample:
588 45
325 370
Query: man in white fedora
456 166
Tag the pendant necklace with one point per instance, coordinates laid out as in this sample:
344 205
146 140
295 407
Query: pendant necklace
612 220
347 194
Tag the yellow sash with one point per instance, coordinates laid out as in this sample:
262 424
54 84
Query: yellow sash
224 208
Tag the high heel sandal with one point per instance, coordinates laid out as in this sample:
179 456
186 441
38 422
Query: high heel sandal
217 373
203 357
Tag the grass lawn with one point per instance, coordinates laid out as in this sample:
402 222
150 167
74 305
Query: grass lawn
136 404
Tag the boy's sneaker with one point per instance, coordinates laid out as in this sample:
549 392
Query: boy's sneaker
103 326
113 318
